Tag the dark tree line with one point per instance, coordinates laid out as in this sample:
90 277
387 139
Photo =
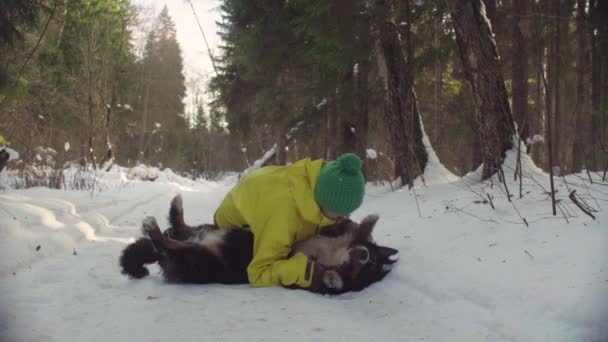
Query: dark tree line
376 68
315 78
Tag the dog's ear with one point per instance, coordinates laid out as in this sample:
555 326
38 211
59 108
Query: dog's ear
359 254
364 231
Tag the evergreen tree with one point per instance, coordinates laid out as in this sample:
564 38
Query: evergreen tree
163 122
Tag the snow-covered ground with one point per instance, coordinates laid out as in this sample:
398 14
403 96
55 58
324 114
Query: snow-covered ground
466 272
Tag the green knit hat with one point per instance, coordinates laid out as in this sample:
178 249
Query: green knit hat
340 185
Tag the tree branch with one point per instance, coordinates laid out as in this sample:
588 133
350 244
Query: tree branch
583 208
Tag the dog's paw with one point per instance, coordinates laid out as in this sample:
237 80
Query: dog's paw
332 280
149 226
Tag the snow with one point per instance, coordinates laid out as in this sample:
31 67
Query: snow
293 130
143 172
435 172
466 272
12 154
259 162
322 103
371 153
536 139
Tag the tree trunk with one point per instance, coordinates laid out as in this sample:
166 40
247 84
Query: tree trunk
520 67
361 120
109 156
90 97
595 83
398 105
437 83
63 20
491 13
144 118
482 68
330 127
598 10
346 130
535 119
581 98
557 121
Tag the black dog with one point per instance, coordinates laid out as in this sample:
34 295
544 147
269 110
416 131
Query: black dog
206 254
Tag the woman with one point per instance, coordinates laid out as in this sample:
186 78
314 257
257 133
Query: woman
285 204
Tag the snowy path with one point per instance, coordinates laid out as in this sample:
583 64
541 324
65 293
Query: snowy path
460 278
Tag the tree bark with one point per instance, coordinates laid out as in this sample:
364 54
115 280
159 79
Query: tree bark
330 127
90 96
482 68
535 120
403 124
346 130
598 11
556 61
520 67
437 83
361 120
144 118
581 98
109 156
595 82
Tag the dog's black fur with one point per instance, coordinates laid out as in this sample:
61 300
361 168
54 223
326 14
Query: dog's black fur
206 254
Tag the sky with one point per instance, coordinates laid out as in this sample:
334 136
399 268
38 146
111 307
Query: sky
197 64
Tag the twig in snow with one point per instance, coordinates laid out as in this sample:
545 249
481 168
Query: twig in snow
566 183
476 193
532 179
455 209
583 179
490 200
585 208
501 174
559 206
417 205
8 212
513 204
588 190
530 255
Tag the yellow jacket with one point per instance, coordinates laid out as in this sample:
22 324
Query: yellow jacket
277 203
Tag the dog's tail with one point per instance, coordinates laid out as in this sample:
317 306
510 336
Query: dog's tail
176 212
135 256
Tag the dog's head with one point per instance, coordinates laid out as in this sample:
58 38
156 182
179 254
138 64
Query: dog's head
368 262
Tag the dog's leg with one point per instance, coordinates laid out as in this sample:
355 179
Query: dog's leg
152 231
333 280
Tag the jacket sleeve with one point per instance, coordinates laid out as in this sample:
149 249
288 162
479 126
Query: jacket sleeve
271 265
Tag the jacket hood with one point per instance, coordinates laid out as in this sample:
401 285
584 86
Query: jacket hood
304 179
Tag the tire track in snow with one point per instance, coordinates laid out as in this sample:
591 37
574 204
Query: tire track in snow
34 218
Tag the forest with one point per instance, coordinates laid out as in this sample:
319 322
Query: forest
96 83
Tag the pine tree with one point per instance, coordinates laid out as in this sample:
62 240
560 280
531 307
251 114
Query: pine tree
163 122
